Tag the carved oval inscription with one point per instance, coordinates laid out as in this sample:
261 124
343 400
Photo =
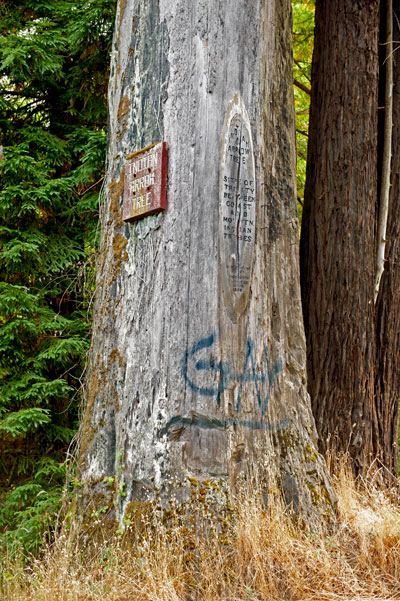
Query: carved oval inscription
237 211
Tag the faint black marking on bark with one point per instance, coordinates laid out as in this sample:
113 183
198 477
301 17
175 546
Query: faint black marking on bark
213 423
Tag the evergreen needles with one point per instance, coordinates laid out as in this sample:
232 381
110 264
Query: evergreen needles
54 59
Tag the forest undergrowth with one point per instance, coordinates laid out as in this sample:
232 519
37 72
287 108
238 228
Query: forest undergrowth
262 555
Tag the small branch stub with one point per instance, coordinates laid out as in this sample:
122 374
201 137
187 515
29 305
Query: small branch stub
145 183
302 87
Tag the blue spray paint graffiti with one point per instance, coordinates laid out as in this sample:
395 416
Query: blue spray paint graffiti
225 377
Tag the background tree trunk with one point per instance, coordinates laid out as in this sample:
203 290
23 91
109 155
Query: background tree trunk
338 228
387 378
198 370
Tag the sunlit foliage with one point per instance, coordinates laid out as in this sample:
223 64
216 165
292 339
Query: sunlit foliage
303 38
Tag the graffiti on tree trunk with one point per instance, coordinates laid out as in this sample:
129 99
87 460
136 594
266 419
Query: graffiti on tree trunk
196 370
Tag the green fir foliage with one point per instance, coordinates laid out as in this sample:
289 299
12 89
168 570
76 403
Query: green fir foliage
54 57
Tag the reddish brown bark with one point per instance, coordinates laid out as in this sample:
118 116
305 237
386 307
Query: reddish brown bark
338 230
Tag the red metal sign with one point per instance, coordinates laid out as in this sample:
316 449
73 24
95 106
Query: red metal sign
145 183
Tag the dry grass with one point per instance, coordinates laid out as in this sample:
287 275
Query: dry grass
261 556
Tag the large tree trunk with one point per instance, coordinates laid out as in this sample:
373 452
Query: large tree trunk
197 367
338 228
353 367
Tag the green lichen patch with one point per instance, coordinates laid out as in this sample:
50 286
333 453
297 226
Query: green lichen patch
123 108
96 379
310 454
285 441
116 191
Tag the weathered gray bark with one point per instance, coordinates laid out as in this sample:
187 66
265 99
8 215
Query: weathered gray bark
197 370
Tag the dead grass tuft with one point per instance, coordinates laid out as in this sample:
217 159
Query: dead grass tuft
262 555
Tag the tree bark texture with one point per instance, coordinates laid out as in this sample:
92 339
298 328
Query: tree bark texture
197 370
338 228
387 374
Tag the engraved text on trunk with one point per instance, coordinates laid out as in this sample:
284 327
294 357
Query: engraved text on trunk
237 200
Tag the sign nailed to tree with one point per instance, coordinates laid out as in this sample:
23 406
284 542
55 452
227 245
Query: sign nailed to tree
145 182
